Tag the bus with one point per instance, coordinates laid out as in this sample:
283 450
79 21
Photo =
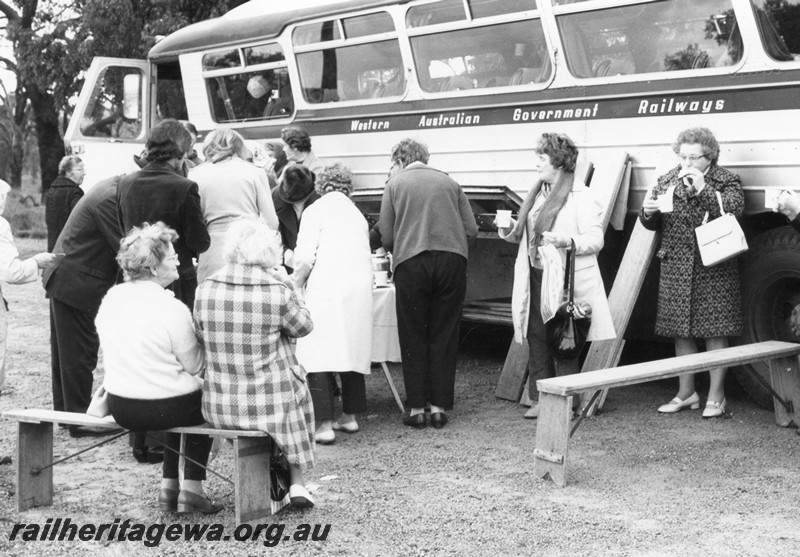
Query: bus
478 81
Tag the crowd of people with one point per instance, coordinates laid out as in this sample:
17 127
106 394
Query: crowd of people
241 296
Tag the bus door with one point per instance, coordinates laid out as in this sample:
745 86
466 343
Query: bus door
109 124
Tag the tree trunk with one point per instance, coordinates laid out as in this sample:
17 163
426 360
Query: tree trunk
51 145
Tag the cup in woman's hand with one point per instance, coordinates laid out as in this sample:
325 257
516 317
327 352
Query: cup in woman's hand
503 219
665 202
381 278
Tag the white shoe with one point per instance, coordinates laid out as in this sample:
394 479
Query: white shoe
533 412
676 404
300 496
325 437
714 409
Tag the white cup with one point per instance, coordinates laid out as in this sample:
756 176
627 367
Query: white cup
381 278
771 196
665 202
503 219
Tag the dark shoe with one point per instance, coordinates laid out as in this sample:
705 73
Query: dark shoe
190 502
416 421
92 431
155 454
168 500
438 420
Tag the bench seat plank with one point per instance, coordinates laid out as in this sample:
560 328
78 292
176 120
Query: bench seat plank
666 368
37 416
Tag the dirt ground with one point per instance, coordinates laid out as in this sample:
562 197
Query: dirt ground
640 483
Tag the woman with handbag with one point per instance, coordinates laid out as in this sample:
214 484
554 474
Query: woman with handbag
695 301
249 314
558 210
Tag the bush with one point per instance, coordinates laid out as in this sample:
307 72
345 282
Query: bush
25 215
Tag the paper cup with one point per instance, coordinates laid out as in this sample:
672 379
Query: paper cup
503 219
771 196
381 278
665 203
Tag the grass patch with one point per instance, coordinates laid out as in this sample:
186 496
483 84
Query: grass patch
25 215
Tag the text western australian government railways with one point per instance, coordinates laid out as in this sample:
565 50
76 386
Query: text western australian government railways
550 112
62 530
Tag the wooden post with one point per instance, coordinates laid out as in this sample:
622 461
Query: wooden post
552 438
515 371
785 376
34 451
253 501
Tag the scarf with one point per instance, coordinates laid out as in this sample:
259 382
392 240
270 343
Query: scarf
559 191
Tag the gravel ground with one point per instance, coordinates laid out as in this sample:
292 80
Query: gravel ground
640 483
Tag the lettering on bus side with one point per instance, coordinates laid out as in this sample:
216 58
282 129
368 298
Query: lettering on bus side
369 125
523 115
672 106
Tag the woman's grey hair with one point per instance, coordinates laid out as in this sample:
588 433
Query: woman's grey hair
143 249
408 151
67 163
249 241
702 136
224 143
560 148
335 177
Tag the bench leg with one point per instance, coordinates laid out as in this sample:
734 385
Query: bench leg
552 438
252 478
785 376
34 451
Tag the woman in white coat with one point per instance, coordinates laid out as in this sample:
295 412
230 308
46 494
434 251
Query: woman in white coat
557 209
333 261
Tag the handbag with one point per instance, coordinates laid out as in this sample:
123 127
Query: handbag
279 477
569 327
720 239
98 407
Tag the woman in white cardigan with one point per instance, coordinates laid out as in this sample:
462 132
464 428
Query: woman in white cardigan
333 262
557 209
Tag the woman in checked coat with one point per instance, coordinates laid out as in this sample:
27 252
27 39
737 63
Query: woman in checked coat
248 315
695 301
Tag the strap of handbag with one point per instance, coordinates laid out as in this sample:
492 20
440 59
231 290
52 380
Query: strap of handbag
721 208
569 271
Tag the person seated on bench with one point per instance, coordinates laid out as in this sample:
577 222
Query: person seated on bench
153 361
557 208
695 301
248 314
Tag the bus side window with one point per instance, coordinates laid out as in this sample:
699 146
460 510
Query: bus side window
778 24
647 38
104 116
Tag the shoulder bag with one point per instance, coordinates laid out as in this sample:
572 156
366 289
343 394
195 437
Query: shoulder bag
569 327
720 239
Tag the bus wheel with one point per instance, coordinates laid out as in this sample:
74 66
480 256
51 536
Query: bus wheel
771 300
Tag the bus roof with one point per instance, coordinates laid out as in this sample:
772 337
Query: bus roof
257 19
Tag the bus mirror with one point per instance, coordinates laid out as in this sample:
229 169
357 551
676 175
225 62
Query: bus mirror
131 99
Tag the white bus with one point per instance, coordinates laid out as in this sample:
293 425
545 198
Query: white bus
478 81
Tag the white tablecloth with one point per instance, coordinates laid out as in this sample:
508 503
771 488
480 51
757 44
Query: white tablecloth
385 346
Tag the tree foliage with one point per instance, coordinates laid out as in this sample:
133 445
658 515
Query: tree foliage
55 40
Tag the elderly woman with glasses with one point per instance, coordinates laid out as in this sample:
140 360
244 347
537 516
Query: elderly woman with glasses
694 301
153 361
333 262
249 315
230 187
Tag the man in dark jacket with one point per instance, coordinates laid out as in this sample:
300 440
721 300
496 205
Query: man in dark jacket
161 192
62 196
292 196
84 269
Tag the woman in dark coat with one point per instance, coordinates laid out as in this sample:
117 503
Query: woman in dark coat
695 301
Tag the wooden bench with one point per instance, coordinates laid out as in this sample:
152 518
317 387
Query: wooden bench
252 450
555 395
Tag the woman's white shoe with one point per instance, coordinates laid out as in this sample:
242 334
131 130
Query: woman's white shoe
300 496
676 404
714 409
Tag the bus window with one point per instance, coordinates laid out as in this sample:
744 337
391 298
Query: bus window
251 96
646 38
449 11
105 115
502 55
778 24
364 70
263 91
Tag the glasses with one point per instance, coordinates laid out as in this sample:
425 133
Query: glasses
691 158
172 258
